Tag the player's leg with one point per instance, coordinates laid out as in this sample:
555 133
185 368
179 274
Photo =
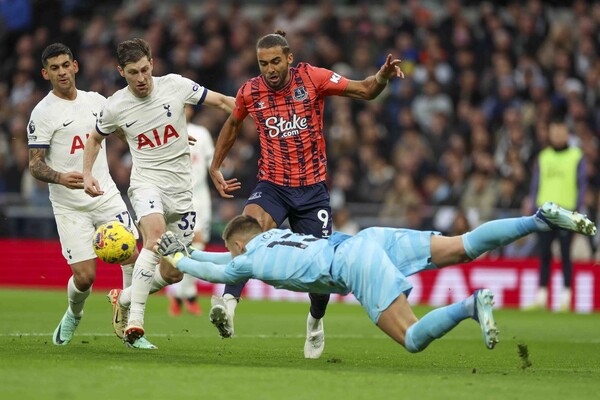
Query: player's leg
266 206
152 226
189 294
115 209
545 240
121 312
174 294
400 323
158 212
76 232
185 293
222 311
493 234
311 214
565 239
79 288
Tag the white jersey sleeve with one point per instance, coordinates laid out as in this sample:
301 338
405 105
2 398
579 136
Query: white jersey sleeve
62 127
156 131
202 154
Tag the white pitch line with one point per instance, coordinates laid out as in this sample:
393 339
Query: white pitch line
195 335
260 336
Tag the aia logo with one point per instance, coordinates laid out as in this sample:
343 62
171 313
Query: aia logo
154 139
78 143
168 108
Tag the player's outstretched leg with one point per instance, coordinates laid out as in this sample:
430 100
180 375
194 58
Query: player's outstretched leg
496 233
440 321
65 329
315 337
484 301
119 322
559 218
219 316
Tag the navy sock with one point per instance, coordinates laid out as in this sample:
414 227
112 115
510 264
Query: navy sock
318 304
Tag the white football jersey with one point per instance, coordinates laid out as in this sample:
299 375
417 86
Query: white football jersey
62 127
155 128
202 153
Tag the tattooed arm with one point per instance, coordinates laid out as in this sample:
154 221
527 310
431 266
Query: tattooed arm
40 170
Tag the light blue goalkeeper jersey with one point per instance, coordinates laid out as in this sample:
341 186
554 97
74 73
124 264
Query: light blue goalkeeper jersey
372 265
279 257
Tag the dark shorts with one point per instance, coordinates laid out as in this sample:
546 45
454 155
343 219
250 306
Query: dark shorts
307 208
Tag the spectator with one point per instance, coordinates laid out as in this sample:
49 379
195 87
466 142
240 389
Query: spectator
559 175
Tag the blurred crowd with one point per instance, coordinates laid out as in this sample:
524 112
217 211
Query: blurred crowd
459 133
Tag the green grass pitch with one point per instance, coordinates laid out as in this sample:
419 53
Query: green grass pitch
265 359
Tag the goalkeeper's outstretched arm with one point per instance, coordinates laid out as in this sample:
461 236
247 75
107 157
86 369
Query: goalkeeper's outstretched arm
213 257
206 271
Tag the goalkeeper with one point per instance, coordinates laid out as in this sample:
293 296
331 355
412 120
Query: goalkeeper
372 265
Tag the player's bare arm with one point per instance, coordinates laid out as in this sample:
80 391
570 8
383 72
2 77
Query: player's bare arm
372 86
215 99
40 170
225 141
121 135
90 153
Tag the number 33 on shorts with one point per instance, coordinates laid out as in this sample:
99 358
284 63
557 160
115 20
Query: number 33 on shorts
186 224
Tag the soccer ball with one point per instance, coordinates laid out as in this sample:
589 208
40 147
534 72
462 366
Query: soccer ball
113 242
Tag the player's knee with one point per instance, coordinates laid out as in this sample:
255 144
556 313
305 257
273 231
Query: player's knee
131 260
462 256
84 280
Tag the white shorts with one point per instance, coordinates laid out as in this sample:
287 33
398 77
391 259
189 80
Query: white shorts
177 209
203 218
76 229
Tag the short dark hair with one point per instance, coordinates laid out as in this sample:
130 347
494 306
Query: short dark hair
55 50
242 224
557 119
132 50
274 40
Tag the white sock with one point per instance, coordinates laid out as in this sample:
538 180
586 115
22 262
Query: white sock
231 303
76 298
127 273
158 282
141 283
188 288
125 297
173 290
312 323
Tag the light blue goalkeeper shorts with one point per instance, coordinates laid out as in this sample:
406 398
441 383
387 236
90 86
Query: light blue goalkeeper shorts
374 265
